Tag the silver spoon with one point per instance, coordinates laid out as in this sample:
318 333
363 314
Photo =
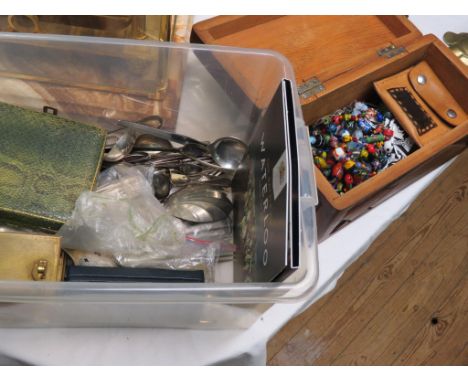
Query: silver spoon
161 183
149 142
192 204
198 211
210 192
180 180
190 168
164 180
191 151
227 152
174 137
122 147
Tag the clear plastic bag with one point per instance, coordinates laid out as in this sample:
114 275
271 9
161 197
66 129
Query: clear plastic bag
120 171
220 232
122 218
192 255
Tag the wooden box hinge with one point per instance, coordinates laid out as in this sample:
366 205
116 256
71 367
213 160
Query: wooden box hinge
391 51
310 88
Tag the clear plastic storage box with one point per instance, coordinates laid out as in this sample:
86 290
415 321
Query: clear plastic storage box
99 81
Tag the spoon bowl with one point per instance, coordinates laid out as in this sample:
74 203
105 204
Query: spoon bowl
149 142
161 183
228 152
199 204
122 147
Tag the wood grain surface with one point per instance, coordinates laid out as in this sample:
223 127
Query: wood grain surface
404 301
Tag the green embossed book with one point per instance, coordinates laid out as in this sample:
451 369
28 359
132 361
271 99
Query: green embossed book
45 163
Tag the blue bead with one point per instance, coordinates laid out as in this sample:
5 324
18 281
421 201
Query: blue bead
358 134
312 140
366 126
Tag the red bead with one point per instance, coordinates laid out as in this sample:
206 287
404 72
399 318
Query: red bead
337 170
371 148
348 179
388 133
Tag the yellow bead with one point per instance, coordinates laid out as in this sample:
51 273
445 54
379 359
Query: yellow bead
364 154
321 163
349 164
347 138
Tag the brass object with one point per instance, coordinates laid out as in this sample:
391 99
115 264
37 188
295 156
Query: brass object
32 23
39 270
175 28
25 256
138 27
155 63
391 51
458 43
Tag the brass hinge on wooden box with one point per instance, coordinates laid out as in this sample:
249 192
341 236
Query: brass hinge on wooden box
310 88
391 51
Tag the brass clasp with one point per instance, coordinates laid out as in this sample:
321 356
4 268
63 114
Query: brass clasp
39 270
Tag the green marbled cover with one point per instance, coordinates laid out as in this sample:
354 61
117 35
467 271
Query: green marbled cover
45 163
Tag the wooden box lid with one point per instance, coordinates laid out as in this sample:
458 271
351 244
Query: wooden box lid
319 48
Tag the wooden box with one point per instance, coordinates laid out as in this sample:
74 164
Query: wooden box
336 59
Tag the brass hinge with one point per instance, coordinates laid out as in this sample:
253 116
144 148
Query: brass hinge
310 88
391 51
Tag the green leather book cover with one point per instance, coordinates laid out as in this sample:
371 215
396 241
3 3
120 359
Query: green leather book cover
45 163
